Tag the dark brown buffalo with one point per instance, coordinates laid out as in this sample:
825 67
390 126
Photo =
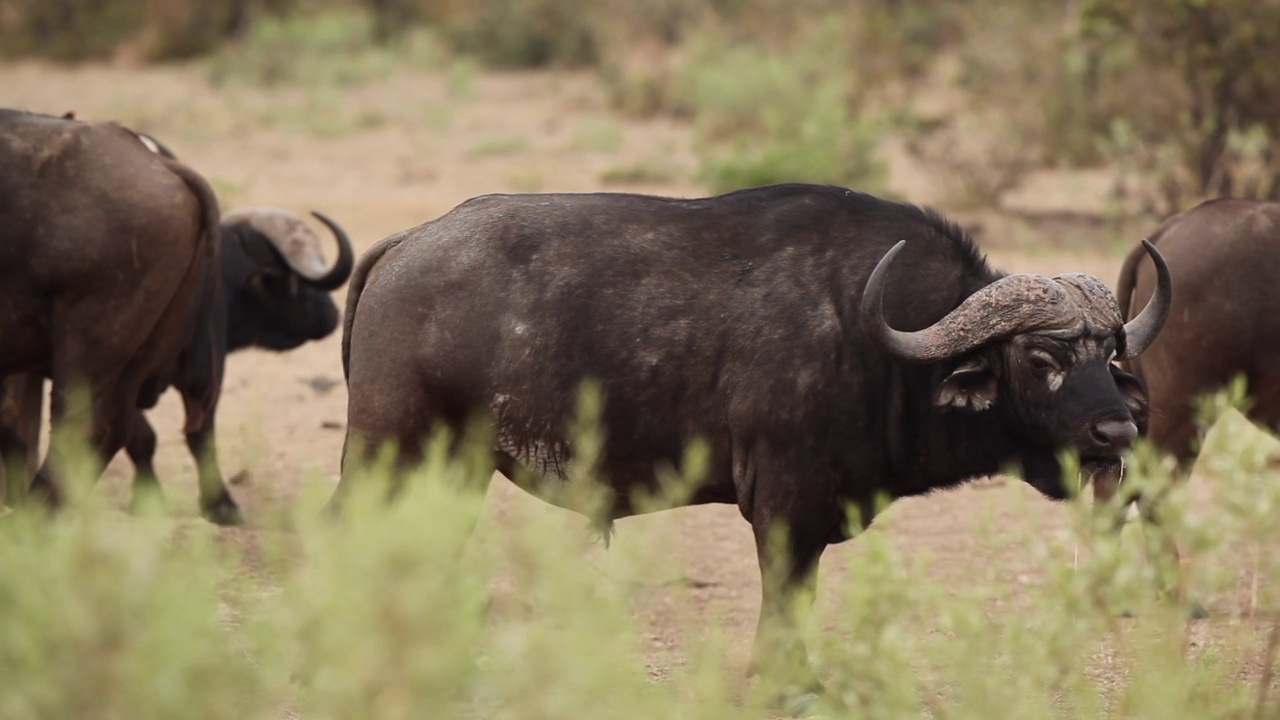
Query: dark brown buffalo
274 294
1225 258
20 411
107 252
833 348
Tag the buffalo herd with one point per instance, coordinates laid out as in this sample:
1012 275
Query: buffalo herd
832 349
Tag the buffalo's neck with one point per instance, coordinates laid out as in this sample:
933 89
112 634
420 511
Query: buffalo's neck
940 448
234 275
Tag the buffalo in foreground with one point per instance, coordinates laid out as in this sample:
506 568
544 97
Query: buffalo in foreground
270 289
1225 257
832 348
107 255
273 294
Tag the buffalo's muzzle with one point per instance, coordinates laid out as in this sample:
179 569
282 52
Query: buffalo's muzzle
1112 437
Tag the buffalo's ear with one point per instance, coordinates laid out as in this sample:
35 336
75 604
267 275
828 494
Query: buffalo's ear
972 386
1134 393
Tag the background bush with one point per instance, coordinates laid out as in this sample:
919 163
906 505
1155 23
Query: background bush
1180 97
767 117
1212 125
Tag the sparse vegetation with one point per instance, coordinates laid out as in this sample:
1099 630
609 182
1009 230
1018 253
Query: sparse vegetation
527 33
1210 127
391 609
1177 95
764 117
645 172
498 146
334 48
375 615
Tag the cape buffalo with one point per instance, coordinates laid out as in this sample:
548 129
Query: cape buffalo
273 294
271 291
831 347
106 256
1225 257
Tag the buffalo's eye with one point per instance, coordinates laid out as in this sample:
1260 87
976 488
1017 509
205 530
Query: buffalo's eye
1041 361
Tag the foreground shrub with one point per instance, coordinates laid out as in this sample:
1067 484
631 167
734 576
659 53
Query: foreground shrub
103 615
395 610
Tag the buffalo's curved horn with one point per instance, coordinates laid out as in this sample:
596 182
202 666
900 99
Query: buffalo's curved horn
299 245
1141 331
1011 305
333 279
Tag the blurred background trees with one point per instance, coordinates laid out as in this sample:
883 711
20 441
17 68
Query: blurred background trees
1181 97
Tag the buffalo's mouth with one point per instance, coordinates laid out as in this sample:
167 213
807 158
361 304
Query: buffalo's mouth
1102 463
1104 472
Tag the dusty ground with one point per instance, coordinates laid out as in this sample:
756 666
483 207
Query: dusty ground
431 144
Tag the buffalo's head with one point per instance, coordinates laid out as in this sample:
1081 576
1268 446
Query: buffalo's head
1040 353
276 279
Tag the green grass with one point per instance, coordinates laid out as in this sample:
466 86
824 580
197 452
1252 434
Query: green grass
394 611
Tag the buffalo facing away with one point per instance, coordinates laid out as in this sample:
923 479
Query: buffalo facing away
106 255
273 294
270 289
1225 257
830 347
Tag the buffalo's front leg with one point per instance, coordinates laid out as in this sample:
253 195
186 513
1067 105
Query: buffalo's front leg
792 521
788 573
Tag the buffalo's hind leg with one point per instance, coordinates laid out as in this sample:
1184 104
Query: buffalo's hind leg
391 418
216 503
111 403
141 449
21 415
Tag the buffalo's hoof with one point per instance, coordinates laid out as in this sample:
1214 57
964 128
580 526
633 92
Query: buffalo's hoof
1197 611
223 511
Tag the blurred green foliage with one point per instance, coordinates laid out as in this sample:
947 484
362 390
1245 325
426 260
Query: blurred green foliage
332 48
767 117
527 33
1209 121
1181 97
394 610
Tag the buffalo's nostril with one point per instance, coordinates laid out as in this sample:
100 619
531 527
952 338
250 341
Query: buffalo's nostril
1114 434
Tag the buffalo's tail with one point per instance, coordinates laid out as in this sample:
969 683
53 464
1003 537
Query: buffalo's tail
204 271
354 288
